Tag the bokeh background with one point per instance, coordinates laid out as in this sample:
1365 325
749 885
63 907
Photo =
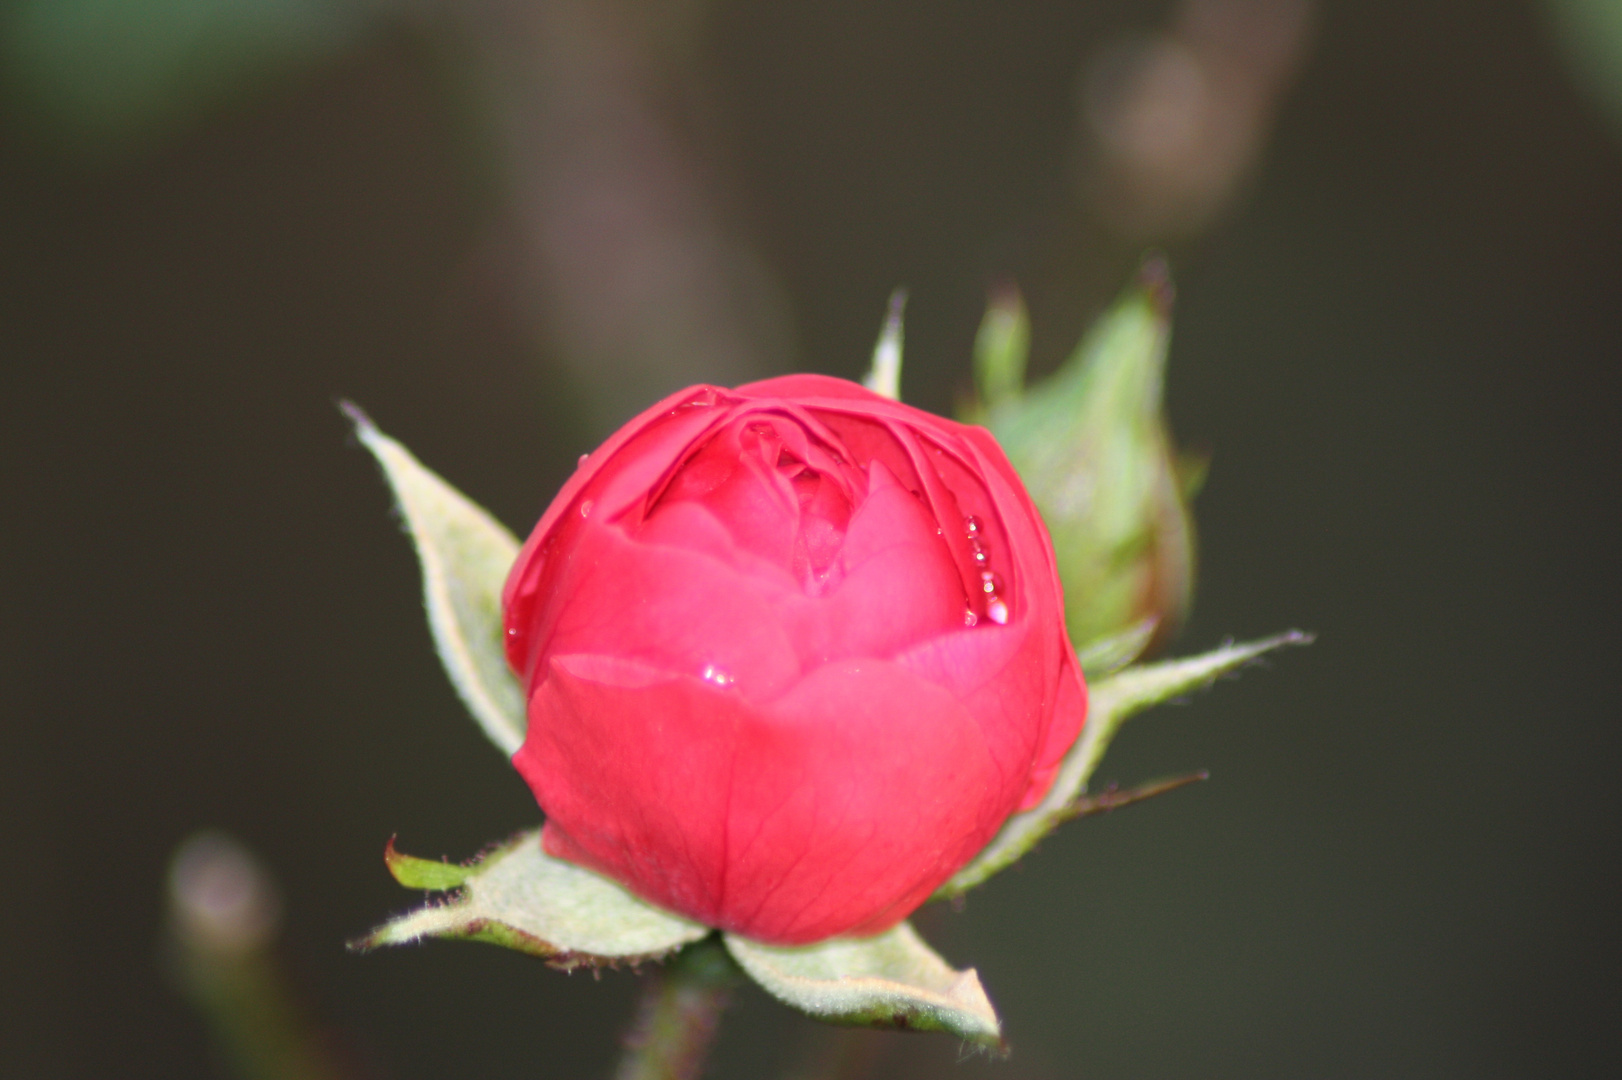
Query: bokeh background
504 225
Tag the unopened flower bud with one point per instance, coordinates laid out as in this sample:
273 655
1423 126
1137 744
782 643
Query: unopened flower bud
1092 447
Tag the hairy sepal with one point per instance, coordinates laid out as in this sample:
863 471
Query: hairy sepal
519 897
465 555
893 980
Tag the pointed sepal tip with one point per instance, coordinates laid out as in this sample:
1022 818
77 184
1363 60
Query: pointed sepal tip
892 980
521 898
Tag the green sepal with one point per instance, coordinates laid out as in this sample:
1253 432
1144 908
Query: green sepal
893 980
465 555
415 873
519 897
1002 348
1190 470
1111 701
884 377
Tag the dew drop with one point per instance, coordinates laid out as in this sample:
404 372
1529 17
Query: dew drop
982 558
990 582
716 675
972 524
585 508
969 617
997 611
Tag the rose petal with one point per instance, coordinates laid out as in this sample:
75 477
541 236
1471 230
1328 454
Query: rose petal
676 610
749 498
803 386
639 453
1003 678
632 766
899 584
1068 717
866 785
856 793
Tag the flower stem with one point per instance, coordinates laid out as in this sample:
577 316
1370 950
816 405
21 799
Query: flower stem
680 1010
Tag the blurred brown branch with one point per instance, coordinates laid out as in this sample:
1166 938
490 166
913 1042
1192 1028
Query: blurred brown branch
627 260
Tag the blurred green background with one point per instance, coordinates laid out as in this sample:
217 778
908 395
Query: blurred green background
503 226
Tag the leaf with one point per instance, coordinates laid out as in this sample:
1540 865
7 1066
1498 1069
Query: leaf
520 897
885 377
465 555
1111 701
893 980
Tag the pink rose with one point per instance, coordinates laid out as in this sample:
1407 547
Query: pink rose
792 653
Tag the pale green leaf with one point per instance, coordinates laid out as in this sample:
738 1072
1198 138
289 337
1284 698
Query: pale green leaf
885 376
465 555
1110 701
893 980
522 898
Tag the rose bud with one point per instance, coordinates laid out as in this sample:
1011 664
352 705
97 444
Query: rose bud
1091 441
792 653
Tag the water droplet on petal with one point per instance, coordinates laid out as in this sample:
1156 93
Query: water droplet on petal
997 612
972 524
970 618
716 675
585 508
581 464
990 582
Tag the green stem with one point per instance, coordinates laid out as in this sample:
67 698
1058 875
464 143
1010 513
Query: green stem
680 1010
